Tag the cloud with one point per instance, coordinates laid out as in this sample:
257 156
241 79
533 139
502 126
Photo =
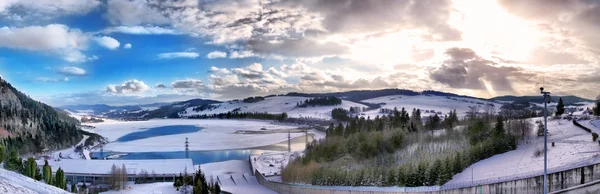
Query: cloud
288 28
178 55
127 46
214 69
128 87
188 84
141 30
133 12
55 39
71 71
161 86
465 69
240 54
216 54
45 9
46 79
107 42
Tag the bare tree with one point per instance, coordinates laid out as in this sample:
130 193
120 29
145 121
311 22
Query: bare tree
489 111
123 176
472 112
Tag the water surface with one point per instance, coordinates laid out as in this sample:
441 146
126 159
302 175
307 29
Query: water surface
159 131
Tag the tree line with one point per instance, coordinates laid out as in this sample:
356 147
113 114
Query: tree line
367 150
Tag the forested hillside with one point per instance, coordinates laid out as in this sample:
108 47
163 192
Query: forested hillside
30 126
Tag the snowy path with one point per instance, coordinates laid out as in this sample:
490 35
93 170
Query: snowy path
70 152
12 182
150 188
573 147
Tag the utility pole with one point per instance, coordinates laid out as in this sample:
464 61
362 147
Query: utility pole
289 141
547 99
187 148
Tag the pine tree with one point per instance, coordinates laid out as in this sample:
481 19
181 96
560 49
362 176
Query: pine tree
1 151
30 168
560 108
73 188
47 172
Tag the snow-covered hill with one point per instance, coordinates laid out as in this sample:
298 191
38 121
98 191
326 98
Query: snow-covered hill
275 104
427 103
12 182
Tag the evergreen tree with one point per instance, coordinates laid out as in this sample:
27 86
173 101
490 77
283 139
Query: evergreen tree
47 172
31 168
14 162
434 171
60 179
73 188
457 163
560 107
499 128
1 153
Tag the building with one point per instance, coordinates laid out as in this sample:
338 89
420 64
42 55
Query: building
98 171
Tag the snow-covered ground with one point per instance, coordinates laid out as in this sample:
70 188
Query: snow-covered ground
12 182
573 147
235 176
426 103
150 188
272 164
275 104
215 135
70 152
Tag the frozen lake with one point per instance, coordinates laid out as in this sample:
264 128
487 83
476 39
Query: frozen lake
159 131
210 140
203 157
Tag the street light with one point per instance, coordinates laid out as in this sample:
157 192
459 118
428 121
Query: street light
547 99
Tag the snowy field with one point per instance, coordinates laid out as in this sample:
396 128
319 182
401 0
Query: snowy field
427 102
11 182
215 135
573 147
234 176
276 104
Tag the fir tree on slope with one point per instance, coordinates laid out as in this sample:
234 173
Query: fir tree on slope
560 108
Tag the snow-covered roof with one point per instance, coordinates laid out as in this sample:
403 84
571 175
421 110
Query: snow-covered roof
159 166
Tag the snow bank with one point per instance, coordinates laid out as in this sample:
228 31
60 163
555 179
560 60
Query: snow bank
12 182
573 147
215 135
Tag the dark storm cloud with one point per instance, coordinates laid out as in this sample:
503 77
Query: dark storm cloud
466 70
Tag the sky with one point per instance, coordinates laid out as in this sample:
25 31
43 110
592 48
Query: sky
144 51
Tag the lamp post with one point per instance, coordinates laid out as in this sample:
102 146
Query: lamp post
547 99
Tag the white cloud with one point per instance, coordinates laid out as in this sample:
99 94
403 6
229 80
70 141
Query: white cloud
240 54
178 55
188 84
214 69
127 46
216 54
129 86
47 79
54 38
45 9
107 42
71 71
133 12
141 30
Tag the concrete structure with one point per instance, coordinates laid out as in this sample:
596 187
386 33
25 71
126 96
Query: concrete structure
558 182
98 171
